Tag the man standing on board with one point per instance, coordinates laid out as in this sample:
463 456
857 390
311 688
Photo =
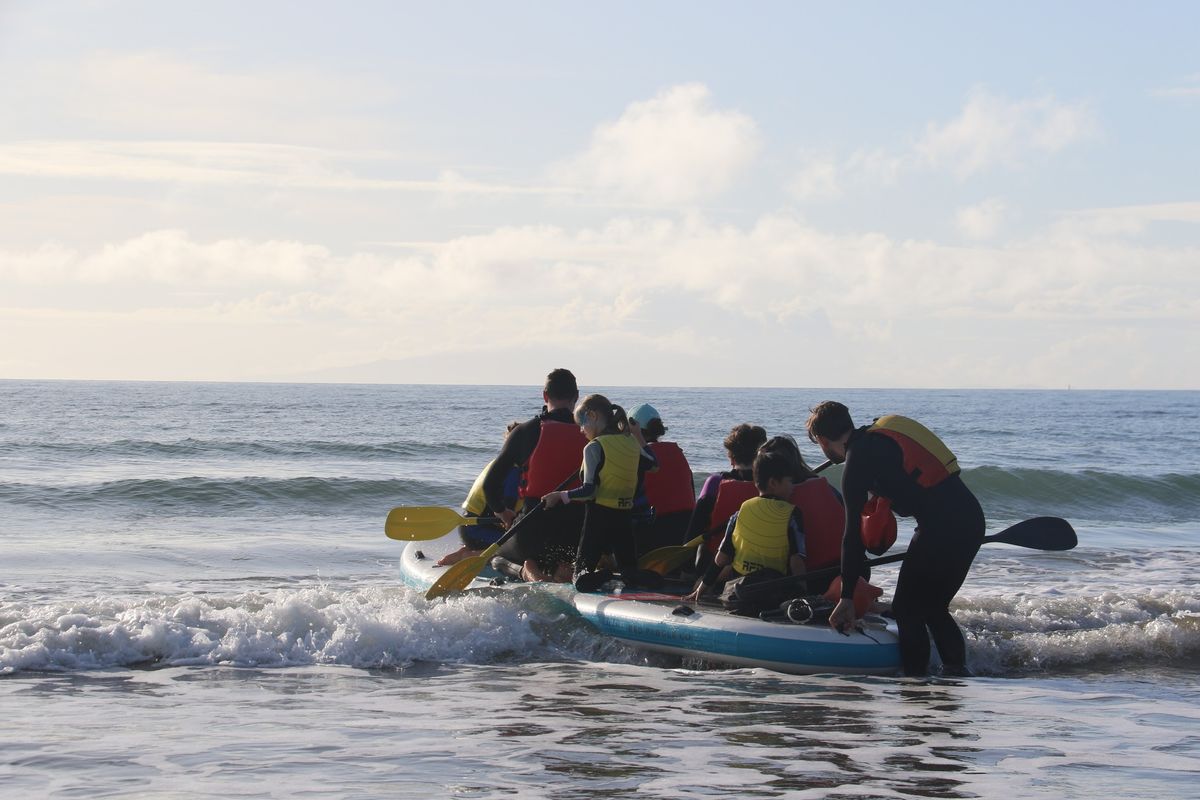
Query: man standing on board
548 450
899 459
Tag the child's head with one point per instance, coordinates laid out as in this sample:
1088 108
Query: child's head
773 473
786 446
743 442
595 415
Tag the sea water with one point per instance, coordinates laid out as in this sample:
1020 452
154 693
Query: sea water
197 599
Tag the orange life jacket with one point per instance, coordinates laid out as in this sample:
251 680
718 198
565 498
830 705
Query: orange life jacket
926 458
670 488
558 453
824 522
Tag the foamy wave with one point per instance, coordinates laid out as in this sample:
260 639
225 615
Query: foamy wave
368 628
392 628
1037 633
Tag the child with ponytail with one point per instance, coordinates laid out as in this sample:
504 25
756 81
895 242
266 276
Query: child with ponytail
614 461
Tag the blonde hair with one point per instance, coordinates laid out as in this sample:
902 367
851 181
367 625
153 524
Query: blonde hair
611 414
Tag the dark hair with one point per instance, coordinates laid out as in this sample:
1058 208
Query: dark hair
743 442
653 429
769 464
787 447
611 413
560 385
830 419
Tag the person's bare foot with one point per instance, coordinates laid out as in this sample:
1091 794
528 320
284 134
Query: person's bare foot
457 556
532 572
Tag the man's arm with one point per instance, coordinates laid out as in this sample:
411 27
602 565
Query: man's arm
517 448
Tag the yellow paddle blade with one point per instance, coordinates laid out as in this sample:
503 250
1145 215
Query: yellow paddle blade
670 558
422 523
458 576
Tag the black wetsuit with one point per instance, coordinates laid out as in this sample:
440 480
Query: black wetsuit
950 529
552 535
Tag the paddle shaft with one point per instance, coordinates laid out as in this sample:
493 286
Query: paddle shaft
1039 533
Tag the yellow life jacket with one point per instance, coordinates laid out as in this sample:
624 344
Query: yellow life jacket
476 502
760 535
926 458
617 482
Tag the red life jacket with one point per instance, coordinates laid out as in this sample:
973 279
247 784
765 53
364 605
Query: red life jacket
824 522
730 496
558 453
878 525
670 488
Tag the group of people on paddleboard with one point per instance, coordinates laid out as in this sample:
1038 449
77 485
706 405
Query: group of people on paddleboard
584 480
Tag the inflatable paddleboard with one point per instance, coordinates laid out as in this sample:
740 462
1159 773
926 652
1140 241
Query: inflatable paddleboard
658 621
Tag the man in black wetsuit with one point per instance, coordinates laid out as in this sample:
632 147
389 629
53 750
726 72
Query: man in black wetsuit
548 449
899 459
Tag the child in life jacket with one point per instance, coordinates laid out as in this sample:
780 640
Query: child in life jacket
724 492
823 514
475 538
663 506
614 460
766 532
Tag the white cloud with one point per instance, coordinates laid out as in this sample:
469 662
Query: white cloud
988 133
993 131
862 307
158 94
672 149
983 220
229 164
816 179
1189 88
1126 220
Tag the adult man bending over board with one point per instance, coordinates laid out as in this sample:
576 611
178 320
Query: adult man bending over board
899 459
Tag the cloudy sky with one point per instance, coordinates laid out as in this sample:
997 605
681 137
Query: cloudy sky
668 193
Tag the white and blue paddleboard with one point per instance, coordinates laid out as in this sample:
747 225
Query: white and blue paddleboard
660 622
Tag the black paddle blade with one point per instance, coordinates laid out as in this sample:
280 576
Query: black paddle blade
1039 533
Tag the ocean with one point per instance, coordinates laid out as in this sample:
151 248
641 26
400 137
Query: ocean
197 599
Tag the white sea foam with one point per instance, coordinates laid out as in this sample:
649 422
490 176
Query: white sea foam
367 628
392 628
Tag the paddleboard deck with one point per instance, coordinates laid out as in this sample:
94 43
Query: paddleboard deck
659 622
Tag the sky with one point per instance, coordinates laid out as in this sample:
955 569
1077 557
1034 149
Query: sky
925 195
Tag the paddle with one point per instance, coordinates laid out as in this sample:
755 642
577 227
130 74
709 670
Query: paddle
667 559
460 575
422 523
673 556
1039 533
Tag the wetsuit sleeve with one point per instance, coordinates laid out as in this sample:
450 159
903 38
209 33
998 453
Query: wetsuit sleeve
797 545
713 571
856 480
593 461
727 540
518 446
874 463
705 503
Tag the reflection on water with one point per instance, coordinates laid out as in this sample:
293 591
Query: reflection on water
586 730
